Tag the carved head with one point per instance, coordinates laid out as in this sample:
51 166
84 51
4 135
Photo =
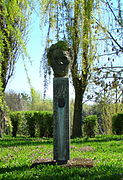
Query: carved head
59 58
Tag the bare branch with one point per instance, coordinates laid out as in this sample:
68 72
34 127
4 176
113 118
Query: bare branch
99 24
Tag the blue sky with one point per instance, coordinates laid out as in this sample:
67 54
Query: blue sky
35 45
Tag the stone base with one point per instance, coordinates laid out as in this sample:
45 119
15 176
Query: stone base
76 162
61 162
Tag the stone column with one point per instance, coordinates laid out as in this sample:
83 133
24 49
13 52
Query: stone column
61 119
59 58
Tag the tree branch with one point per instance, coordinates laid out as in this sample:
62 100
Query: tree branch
114 14
99 24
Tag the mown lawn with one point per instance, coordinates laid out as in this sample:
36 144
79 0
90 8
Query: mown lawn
18 154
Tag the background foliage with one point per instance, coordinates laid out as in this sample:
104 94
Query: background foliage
32 123
90 127
117 124
14 18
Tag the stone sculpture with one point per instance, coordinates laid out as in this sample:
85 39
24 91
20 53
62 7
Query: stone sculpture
59 58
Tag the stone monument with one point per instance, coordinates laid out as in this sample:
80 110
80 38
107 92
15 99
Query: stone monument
59 58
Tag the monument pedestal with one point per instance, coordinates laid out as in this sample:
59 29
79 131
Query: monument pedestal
61 119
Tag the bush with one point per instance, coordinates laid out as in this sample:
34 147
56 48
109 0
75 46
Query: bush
8 125
48 125
90 125
117 124
44 124
40 130
15 120
32 123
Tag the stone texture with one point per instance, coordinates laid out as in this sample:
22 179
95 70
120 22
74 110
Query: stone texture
61 119
59 58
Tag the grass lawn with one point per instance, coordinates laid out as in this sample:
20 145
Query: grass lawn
18 154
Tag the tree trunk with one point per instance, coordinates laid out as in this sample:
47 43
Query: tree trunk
2 114
77 119
1 123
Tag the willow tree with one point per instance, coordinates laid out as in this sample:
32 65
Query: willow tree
72 21
14 15
1 103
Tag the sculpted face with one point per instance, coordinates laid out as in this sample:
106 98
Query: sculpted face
59 61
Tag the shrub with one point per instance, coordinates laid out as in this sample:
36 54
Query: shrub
23 125
8 125
48 124
38 115
117 124
90 125
15 119
44 123
32 123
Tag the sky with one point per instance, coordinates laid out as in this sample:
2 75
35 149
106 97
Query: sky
36 43
19 82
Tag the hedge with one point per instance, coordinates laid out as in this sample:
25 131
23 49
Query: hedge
15 118
117 124
32 123
90 127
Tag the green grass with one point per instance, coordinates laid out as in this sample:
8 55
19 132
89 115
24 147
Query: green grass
17 155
